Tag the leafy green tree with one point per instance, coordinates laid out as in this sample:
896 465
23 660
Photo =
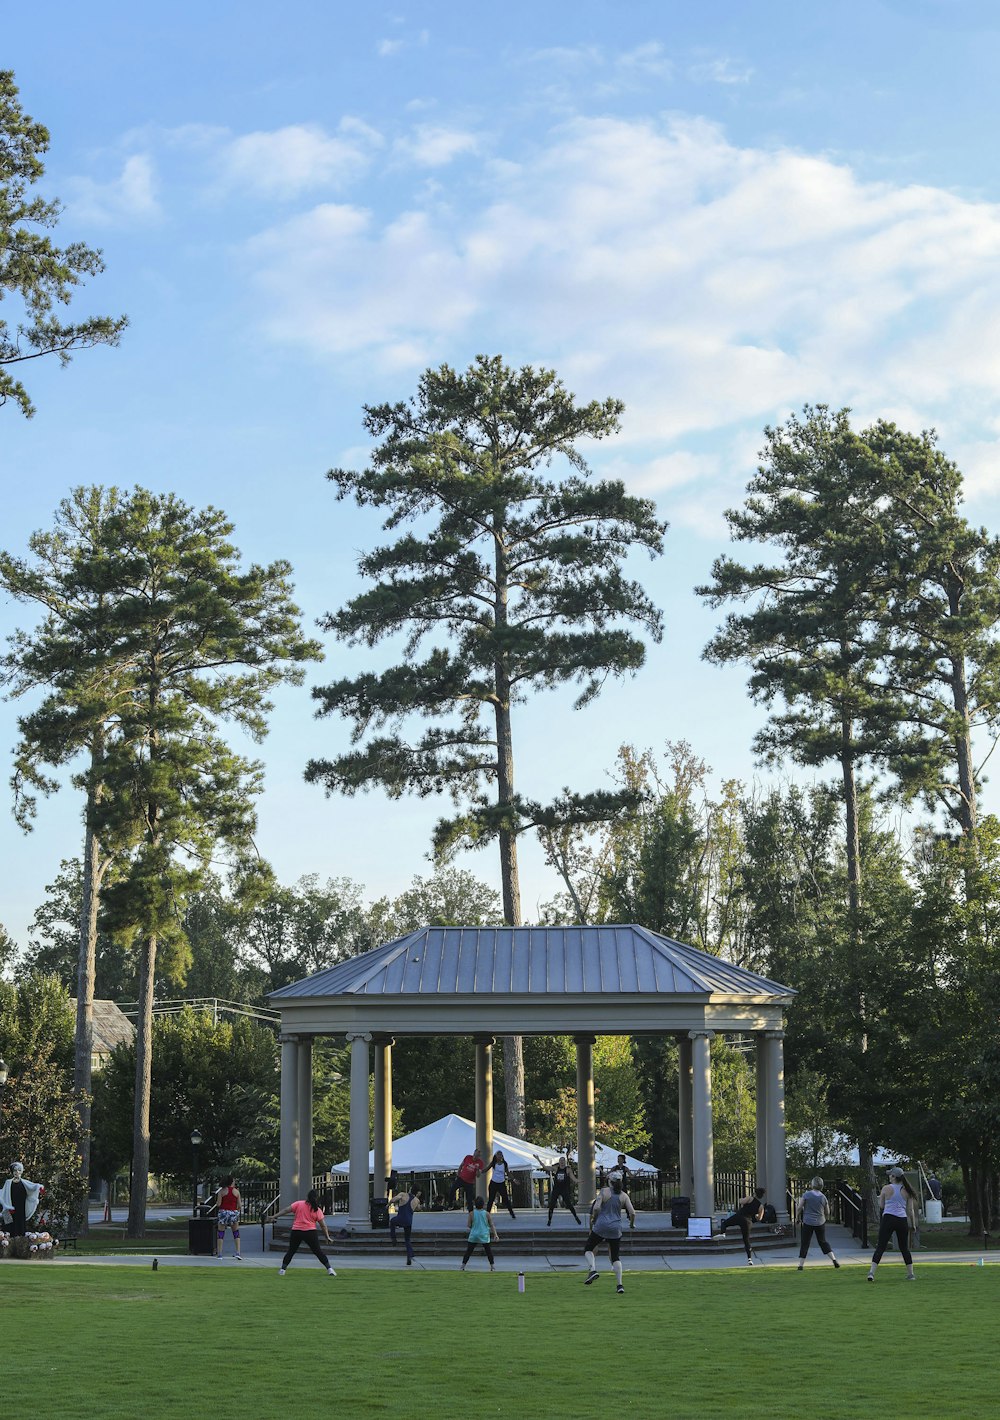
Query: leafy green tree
509 580
941 651
186 641
8 951
219 1077
54 942
39 275
39 1124
81 698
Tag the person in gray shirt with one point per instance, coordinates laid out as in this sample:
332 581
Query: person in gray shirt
606 1227
812 1213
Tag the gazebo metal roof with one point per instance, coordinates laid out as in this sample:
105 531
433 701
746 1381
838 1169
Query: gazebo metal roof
530 962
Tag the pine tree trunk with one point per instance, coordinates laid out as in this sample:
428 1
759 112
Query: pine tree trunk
143 1086
86 973
513 1045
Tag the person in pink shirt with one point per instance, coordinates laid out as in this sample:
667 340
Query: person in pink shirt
307 1219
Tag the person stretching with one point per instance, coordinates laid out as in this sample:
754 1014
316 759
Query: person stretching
307 1218
899 1214
562 1177
406 1205
498 1191
749 1210
606 1226
812 1213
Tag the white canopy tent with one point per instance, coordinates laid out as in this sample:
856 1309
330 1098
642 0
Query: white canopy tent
440 1148
606 1158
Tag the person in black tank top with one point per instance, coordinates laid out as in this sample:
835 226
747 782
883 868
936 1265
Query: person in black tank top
562 1177
749 1210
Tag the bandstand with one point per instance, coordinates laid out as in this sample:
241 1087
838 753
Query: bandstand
486 982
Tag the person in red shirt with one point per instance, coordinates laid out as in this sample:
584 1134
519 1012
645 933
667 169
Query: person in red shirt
229 1202
468 1171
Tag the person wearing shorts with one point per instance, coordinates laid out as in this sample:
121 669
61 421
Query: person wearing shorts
812 1213
748 1210
228 1198
606 1227
307 1218
899 1214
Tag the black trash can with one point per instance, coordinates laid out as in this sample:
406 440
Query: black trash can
201 1237
380 1212
680 1212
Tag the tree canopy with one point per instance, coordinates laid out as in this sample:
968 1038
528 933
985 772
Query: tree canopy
39 275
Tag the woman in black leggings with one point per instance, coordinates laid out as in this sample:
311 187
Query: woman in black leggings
307 1217
899 1214
749 1210
498 1191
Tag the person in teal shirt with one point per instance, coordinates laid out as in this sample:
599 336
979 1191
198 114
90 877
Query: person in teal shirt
481 1230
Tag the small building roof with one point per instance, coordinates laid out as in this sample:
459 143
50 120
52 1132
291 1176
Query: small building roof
111 1027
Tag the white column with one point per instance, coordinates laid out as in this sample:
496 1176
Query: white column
777 1180
586 1170
305 1113
383 1113
703 1197
685 1141
288 1173
358 1194
761 1113
484 1099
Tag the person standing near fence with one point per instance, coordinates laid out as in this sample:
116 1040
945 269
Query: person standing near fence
406 1205
498 1191
481 1230
812 1213
748 1210
230 1206
899 1214
307 1218
606 1226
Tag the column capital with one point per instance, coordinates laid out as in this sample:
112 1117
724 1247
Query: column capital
286 1038
353 1035
773 1034
584 1038
380 1038
700 1034
484 1039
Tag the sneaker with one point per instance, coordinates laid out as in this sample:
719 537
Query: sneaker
799 1268
620 1289
911 1277
462 1268
591 1277
238 1256
330 1272
870 1277
281 1272
835 1262
492 1268
749 1261
409 1262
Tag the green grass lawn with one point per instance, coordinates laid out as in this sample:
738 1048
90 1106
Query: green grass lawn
164 1236
120 1341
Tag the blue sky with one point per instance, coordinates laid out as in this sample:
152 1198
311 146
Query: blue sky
715 212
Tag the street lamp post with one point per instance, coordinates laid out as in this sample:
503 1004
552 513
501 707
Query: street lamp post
195 1143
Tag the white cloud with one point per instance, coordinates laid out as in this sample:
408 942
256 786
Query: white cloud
434 147
124 200
288 161
713 287
721 70
387 47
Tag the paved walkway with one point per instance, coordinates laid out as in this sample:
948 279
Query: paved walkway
847 1250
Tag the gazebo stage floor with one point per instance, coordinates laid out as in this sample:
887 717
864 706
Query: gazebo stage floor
442 1234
